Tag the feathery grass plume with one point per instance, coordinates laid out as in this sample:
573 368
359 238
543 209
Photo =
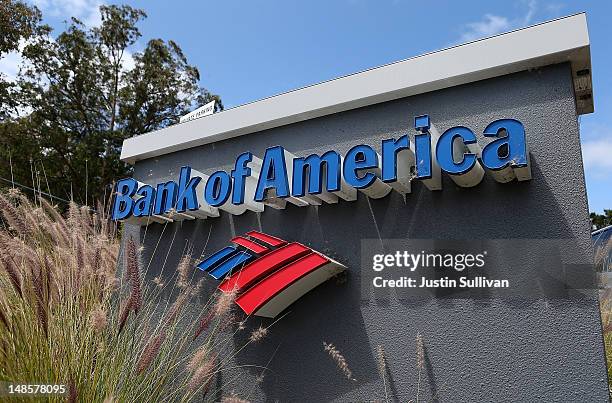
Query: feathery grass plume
203 375
32 217
176 308
43 218
124 313
381 361
339 360
50 281
158 282
195 290
94 263
79 261
72 392
51 211
95 259
13 193
59 229
41 313
13 217
23 200
108 269
3 317
133 272
107 229
14 277
198 358
183 272
3 309
43 223
86 219
258 334
23 254
96 220
606 318
420 361
233 399
41 307
5 244
204 323
112 283
58 235
227 322
98 319
74 216
150 352
420 351
225 302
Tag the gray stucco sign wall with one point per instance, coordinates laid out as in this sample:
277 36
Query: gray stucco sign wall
477 346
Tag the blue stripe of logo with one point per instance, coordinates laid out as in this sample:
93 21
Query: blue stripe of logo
217 258
230 264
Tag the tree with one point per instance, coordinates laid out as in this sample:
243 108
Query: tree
601 220
160 65
18 23
81 101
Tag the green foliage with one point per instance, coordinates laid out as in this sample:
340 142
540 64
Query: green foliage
601 220
143 107
18 23
78 97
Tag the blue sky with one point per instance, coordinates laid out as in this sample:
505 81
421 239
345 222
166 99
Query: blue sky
247 50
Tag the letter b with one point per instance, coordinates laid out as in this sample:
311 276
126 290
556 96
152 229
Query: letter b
123 202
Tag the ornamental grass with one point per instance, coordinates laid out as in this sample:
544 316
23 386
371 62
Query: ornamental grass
602 265
69 317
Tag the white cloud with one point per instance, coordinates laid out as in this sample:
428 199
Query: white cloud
128 62
12 62
597 151
491 24
554 9
9 65
85 10
597 155
532 6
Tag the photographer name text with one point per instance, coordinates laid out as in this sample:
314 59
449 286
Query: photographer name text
458 262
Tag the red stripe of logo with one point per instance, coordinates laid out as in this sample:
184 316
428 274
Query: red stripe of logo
247 243
269 239
263 266
268 288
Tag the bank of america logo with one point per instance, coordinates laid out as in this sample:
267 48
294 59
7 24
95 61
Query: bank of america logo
268 273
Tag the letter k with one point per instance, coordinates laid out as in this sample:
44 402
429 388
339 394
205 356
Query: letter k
187 196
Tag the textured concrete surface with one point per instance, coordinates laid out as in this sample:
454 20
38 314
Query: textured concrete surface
476 349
